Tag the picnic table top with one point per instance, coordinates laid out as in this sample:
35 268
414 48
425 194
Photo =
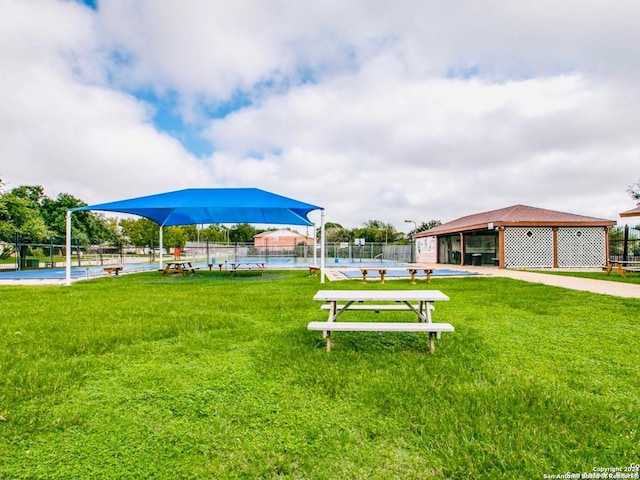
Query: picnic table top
380 295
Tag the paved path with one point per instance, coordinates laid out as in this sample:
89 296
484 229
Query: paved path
605 287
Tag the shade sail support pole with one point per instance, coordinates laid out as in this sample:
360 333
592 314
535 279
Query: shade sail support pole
322 246
161 248
315 246
67 263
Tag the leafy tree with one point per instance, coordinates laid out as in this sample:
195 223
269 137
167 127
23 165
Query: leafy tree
140 232
19 214
176 236
87 226
376 231
143 232
424 226
214 233
242 233
334 233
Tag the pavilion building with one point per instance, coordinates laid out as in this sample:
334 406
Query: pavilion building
518 237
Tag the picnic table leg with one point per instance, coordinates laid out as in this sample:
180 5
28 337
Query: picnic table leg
413 276
428 272
364 276
432 343
382 272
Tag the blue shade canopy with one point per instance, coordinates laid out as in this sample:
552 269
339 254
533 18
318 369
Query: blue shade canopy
213 205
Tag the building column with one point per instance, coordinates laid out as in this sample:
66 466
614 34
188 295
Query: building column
501 248
554 240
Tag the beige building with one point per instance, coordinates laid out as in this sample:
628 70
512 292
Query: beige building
280 239
517 237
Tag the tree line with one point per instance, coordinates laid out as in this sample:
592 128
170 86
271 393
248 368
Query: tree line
29 216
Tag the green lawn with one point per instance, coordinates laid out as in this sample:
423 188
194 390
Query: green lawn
143 376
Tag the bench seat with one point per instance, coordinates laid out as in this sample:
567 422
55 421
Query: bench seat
431 328
381 327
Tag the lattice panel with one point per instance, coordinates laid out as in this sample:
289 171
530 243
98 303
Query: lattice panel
581 247
528 247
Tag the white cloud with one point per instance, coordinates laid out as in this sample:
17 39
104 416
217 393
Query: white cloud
374 110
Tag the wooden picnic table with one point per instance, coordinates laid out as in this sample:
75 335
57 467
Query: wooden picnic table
420 302
179 267
623 266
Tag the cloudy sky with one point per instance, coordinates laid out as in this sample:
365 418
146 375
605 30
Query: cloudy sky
386 110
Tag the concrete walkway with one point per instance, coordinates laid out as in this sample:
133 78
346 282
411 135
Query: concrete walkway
604 287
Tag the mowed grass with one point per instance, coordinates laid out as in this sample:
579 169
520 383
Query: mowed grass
144 376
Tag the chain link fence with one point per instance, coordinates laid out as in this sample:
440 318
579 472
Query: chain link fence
52 254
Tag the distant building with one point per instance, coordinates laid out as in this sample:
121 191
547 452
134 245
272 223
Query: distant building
281 239
516 237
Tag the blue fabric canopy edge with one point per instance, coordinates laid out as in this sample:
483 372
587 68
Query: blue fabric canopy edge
213 205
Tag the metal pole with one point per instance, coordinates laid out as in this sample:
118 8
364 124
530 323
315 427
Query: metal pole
322 246
67 263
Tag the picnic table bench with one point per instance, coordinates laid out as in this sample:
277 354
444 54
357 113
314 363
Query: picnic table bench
414 270
382 271
622 266
113 269
235 266
365 270
419 302
432 329
313 270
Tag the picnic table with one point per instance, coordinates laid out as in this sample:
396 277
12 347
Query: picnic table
112 269
179 267
420 302
623 266
246 266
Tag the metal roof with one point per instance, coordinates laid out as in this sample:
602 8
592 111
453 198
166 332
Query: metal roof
634 212
515 215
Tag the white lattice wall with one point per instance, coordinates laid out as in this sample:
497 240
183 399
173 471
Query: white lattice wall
528 247
581 247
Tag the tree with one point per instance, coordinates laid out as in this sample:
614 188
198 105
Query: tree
214 233
176 237
334 233
242 233
376 231
634 191
89 227
19 214
424 226
140 232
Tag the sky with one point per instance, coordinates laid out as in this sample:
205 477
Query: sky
375 110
